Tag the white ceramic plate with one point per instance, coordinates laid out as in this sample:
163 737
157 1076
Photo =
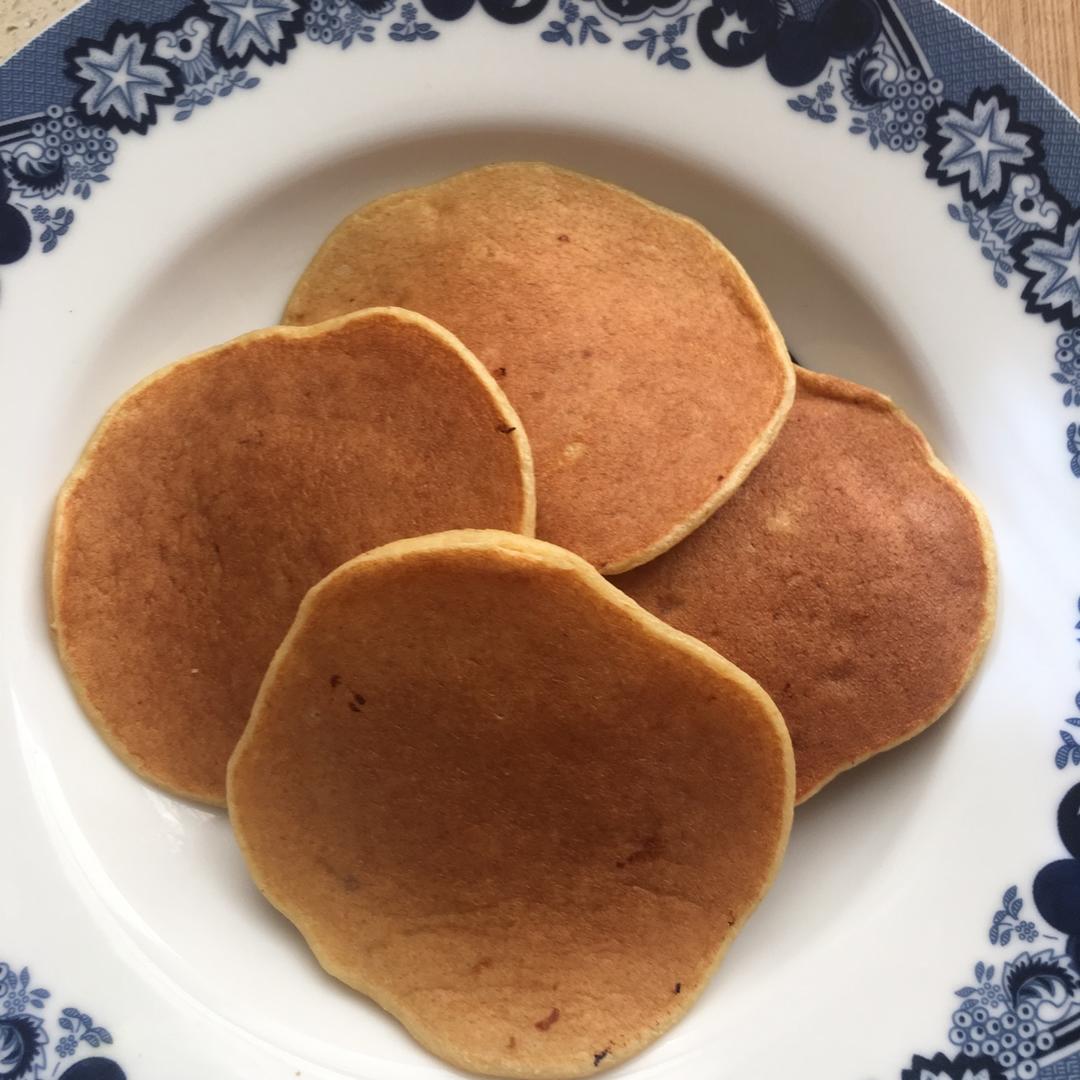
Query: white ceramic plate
905 196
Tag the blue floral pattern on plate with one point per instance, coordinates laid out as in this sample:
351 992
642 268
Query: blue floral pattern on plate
871 74
980 146
855 61
30 1037
1020 1019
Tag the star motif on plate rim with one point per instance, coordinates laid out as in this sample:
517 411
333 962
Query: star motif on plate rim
255 28
1051 263
121 82
982 146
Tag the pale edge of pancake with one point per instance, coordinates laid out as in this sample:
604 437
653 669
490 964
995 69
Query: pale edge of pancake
832 386
740 280
524 549
56 547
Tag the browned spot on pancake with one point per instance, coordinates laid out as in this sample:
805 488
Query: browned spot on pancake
348 881
651 848
505 428
668 602
335 681
545 1024
482 964
597 1058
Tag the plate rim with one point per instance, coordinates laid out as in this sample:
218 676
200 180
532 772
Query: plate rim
988 198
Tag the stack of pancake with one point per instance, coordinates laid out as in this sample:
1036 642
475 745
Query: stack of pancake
510 595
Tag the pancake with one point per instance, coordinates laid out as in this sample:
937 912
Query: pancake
519 812
852 576
644 364
215 493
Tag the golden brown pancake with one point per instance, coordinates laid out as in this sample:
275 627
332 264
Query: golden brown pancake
519 812
852 576
215 493
641 358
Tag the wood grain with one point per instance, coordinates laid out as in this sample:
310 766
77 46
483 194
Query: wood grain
1044 34
20 20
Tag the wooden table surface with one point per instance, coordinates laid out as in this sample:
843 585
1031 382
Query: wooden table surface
1045 34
